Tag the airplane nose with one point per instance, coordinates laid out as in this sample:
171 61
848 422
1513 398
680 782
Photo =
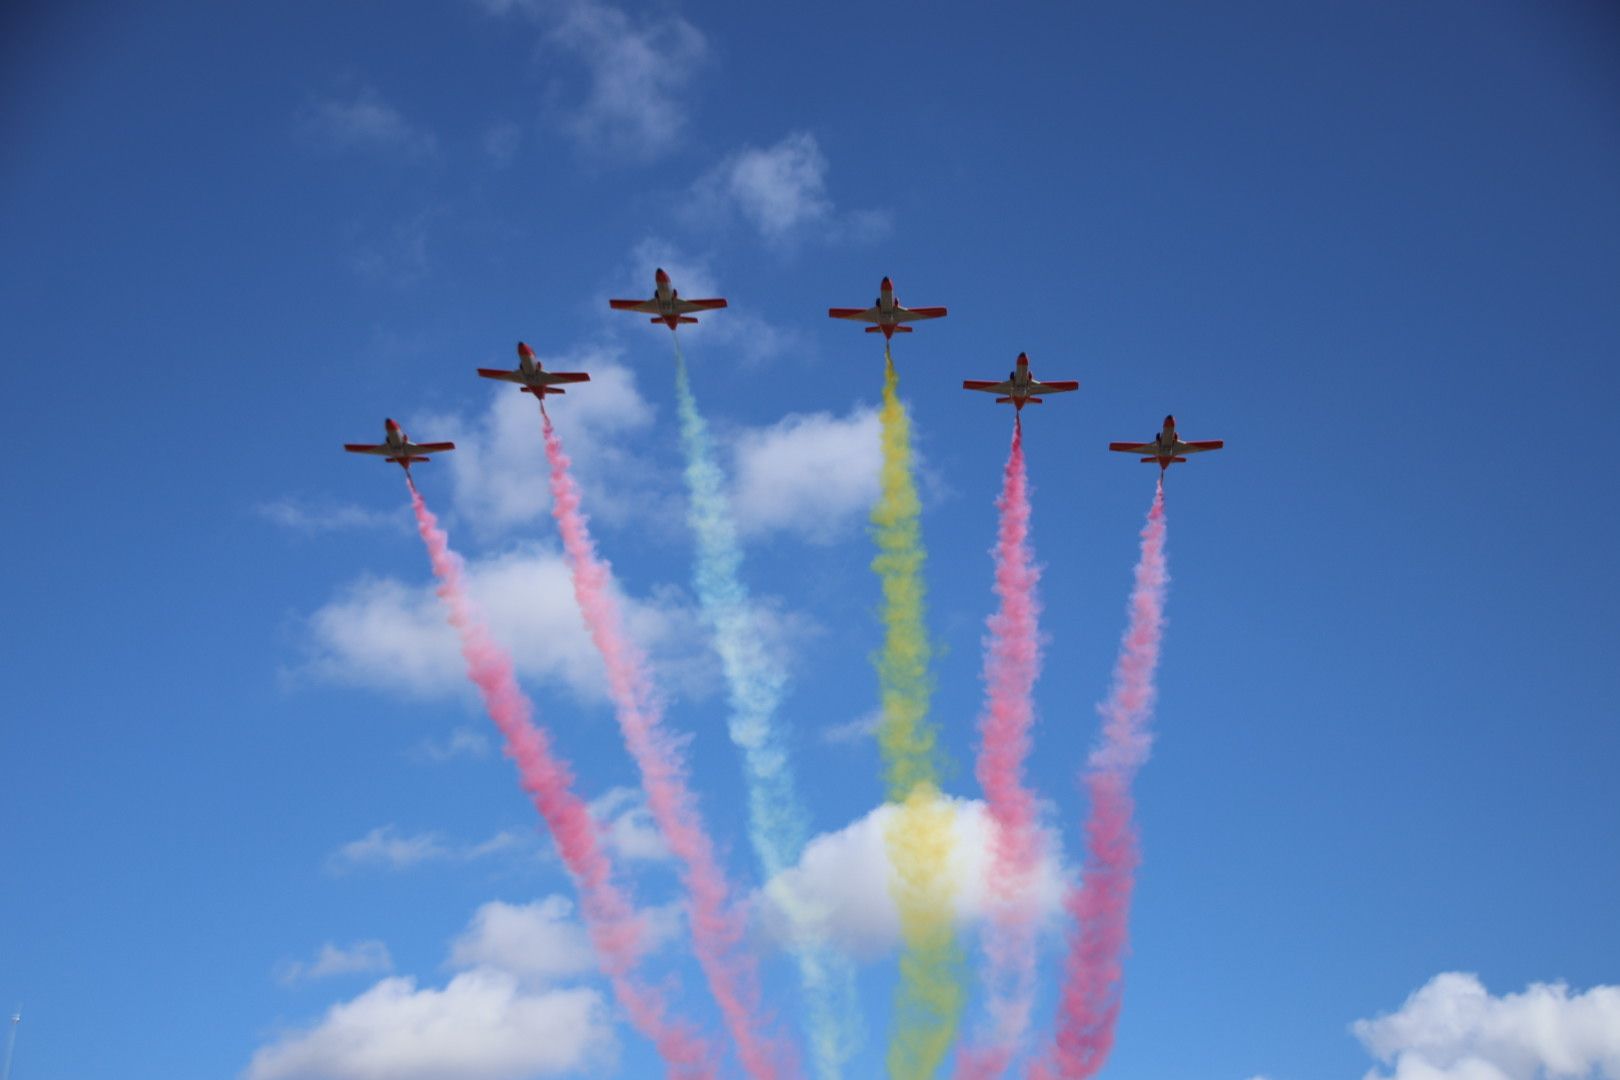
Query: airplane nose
887 286
661 276
391 425
1170 420
524 350
1023 360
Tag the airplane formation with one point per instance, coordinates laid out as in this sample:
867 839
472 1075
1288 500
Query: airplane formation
887 316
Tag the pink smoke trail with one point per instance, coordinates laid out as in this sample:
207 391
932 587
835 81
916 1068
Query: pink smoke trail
717 924
1100 907
609 917
1012 661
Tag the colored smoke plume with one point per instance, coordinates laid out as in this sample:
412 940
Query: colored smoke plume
614 928
1012 661
1088 1007
777 821
929 999
717 924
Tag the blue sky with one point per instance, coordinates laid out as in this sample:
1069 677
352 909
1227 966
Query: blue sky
1376 249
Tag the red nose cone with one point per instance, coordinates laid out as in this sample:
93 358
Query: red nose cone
1169 421
1023 360
524 350
392 426
661 277
887 286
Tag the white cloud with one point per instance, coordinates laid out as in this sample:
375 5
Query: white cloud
463 742
839 891
781 190
483 1025
385 634
368 122
312 519
361 958
539 942
499 467
1453 1029
627 825
638 69
814 475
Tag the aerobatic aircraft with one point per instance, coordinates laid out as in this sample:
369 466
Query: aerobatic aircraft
399 449
667 305
534 378
1020 388
887 313
1167 447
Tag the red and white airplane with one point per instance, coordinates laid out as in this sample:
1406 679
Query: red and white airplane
667 305
887 313
534 378
1021 388
1167 447
399 449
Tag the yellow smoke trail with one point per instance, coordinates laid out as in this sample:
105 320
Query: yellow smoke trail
929 1000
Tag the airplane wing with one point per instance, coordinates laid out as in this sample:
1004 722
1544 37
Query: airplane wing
1200 447
987 386
1134 447
682 304
646 307
504 376
859 314
1054 387
430 447
368 448
906 314
568 376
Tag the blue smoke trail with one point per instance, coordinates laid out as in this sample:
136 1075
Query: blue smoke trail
777 824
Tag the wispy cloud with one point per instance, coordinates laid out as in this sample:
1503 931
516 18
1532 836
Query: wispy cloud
360 958
781 190
462 743
859 730
636 69
501 142
315 518
367 122
752 338
396 256
386 848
